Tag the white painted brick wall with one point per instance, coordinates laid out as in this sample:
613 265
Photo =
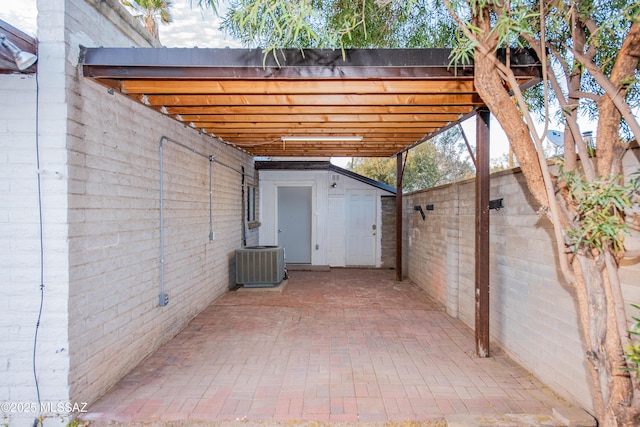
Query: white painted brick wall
533 316
100 160
114 180
19 228
114 234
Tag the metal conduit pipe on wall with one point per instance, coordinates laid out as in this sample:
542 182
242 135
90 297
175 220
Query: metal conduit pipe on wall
163 298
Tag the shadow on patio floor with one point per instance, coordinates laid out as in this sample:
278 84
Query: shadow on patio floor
345 347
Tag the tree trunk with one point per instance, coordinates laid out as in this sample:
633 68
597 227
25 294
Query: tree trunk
491 89
615 403
599 297
610 147
151 26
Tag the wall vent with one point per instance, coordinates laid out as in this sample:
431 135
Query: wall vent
260 266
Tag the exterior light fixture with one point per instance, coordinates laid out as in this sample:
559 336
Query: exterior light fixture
496 204
312 138
22 59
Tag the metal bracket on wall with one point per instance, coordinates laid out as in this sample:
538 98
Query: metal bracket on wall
163 300
419 209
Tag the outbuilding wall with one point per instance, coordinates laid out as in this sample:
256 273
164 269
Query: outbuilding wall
533 313
329 211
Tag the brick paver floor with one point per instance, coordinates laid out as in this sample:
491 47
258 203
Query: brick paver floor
345 346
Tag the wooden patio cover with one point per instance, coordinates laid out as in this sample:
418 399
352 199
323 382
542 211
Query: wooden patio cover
385 100
388 100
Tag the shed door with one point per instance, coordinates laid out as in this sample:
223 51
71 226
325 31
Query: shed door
336 232
361 228
294 223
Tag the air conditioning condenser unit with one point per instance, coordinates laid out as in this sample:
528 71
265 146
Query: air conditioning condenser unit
260 266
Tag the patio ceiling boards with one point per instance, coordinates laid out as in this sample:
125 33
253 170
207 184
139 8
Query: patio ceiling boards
391 98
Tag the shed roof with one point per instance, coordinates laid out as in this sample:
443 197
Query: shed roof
322 165
367 103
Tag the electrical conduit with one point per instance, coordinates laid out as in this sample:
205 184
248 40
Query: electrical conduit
163 297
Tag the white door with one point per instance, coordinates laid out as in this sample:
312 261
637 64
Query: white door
336 232
361 228
294 223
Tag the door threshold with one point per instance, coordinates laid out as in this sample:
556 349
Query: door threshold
307 267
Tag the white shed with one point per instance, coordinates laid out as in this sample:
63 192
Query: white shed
322 214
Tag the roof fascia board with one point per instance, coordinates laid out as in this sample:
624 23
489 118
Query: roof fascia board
362 178
292 165
321 165
196 63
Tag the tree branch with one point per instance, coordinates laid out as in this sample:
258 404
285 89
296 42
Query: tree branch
629 52
558 228
587 95
592 26
569 111
533 137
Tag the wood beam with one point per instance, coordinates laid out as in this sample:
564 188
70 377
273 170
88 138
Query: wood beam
377 138
326 99
256 126
378 135
456 110
300 87
482 233
318 118
321 152
399 173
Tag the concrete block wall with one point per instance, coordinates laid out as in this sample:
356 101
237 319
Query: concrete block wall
534 308
533 314
114 235
630 270
435 248
388 243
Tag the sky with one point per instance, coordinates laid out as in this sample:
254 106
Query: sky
193 27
